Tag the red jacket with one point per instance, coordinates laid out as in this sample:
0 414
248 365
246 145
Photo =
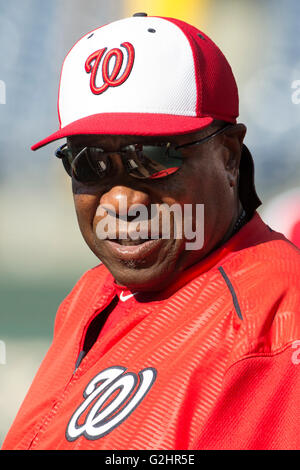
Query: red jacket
212 363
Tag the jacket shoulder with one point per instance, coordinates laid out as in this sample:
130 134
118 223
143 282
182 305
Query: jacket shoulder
265 279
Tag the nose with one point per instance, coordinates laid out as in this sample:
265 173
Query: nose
122 198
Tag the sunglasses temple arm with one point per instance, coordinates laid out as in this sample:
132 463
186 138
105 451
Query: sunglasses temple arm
205 139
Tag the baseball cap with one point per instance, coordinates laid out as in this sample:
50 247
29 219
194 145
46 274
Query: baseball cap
144 75
148 75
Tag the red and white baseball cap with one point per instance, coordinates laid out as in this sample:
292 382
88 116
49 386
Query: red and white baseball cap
144 76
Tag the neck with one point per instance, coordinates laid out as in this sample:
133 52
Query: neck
237 222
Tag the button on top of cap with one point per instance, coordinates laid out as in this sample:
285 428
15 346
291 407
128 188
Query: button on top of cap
140 14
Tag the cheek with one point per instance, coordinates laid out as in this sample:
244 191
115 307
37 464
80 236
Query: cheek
207 183
86 207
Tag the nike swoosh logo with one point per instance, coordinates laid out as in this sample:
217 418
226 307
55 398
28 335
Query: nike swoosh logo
126 297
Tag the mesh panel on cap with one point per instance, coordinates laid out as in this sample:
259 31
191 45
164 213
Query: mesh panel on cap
216 85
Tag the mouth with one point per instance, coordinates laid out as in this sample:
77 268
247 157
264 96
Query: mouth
130 242
134 249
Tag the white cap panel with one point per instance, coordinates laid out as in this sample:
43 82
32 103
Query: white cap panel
161 80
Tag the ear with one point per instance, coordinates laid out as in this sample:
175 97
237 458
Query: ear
232 144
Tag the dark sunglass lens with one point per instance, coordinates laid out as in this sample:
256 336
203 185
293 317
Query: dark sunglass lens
67 165
90 165
153 161
65 155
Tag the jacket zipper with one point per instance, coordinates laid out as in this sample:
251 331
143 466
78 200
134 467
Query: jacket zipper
81 353
80 357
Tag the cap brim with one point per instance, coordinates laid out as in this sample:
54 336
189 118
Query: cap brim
129 124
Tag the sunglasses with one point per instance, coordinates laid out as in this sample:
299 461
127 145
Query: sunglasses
92 164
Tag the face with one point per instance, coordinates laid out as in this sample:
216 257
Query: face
207 176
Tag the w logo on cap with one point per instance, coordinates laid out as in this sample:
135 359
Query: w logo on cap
110 78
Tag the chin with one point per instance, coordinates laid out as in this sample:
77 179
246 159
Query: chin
146 280
135 277
151 273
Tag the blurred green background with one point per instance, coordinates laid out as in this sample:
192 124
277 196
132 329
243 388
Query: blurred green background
42 253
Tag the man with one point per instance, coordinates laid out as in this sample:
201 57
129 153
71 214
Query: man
166 344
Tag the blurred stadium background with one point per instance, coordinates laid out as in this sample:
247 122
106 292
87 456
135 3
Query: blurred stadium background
42 253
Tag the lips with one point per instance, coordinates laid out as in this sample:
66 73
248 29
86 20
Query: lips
133 249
